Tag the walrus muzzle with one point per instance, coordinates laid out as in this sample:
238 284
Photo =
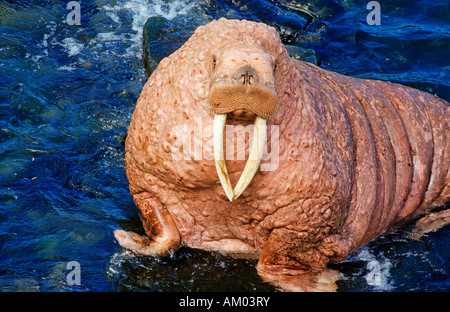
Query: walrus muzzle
245 96
245 91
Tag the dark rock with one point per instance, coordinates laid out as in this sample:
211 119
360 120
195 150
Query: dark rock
161 38
302 54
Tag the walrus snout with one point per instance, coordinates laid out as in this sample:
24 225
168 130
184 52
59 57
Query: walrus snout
243 82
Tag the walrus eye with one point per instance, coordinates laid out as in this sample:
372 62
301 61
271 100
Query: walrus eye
214 62
275 66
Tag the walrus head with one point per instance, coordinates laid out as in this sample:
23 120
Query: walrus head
242 87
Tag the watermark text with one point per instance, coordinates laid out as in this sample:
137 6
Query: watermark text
74 276
374 16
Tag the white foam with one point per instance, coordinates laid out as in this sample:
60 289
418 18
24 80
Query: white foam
140 11
66 68
378 267
116 261
72 46
127 19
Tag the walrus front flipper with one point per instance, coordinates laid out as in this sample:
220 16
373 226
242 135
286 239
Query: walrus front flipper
162 237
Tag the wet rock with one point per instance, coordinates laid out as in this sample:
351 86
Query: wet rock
302 54
161 38
312 9
289 25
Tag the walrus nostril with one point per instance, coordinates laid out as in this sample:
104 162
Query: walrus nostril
247 78
247 75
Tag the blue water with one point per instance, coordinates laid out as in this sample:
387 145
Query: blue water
66 98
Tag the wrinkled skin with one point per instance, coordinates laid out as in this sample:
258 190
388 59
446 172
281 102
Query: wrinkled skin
355 157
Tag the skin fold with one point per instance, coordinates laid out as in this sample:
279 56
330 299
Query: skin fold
354 157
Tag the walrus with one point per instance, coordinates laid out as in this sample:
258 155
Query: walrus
322 163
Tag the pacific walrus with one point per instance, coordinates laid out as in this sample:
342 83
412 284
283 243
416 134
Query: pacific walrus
345 158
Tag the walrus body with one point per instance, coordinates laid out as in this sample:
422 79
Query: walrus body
354 156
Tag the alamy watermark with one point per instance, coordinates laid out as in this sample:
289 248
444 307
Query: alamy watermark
373 278
74 16
73 278
374 16
196 143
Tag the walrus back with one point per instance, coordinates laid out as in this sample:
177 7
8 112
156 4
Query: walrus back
401 153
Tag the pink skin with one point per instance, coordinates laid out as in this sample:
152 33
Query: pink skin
355 157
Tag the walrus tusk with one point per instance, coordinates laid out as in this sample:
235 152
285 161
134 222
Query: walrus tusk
254 158
219 160
256 152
